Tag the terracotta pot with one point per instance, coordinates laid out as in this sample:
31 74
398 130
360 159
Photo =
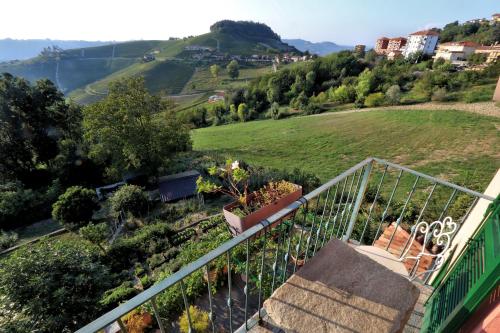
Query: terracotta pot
239 224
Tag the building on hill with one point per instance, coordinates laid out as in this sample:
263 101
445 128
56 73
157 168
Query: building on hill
360 48
495 18
396 44
492 52
424 41
393 55
456 52
381 45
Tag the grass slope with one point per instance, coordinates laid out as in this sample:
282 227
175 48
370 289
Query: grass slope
454 145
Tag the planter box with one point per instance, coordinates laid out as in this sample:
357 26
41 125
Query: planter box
239 224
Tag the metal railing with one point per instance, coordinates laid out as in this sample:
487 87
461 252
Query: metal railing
475 274
357 205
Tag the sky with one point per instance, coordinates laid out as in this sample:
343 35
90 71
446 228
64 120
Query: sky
346 22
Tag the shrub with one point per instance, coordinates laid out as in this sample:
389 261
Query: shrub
343 94
146 281
199 320
183 236
7 239
274 110
440 95
138 321
312 108
478 95
375 99
393 94
74 208
130 199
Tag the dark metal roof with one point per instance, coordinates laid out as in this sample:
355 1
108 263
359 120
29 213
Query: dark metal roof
178 186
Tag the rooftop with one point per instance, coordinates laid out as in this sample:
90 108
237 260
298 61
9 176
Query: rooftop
425 33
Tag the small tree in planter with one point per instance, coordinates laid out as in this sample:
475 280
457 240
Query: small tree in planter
248 209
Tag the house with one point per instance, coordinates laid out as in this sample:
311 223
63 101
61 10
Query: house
456 52
198 48
148 57
178 186
360 49
424 41
381 45
393 55
495 18
492 52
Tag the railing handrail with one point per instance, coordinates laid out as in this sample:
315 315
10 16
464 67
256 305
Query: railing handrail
192 267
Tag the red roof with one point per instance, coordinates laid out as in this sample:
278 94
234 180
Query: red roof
425 33
398 39
385 38
469 44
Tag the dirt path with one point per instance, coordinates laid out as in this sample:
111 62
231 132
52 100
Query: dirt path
483 108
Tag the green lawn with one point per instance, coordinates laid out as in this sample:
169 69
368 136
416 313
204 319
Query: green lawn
458 146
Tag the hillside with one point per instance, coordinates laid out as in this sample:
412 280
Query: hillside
21 49
321 48
453 144
83 73
482 33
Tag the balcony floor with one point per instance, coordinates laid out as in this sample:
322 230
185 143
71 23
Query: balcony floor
359 296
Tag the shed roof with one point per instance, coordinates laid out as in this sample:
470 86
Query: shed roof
178 186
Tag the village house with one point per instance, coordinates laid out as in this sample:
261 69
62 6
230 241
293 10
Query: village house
456 52
424 41
381 45
495 18
385 45
492 52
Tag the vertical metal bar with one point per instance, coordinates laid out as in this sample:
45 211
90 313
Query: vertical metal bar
261 275
229 300
335 218
287 255
445 208
246 283
373 204
359 200
345 206
400 218
157 314
301 237
186 305
384 214
321 221
312 229
351 205
332 208
123 328
211 314
276 256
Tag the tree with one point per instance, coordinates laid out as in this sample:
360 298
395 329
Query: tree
215 69
33 120
96 234
233 112
233 69
275 111
75 207
132 130
365 84
375 99
393 94
55 284
130 199
243 112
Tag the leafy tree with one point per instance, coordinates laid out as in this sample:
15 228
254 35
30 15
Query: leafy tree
243 112
309 83
365 85
214 70
96 234
75 207
275 110
33 119
217 113
233 69
55 284
393 94
132 130
130 199
375 99
233 112
343 94
477 58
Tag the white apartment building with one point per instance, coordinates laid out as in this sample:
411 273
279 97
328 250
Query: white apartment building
425 41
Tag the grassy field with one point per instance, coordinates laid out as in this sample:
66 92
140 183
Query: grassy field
457 146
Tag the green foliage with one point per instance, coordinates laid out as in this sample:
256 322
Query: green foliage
393 94
248 29
183 236
469 31
233 69
214 70
343 94
200 321
477 58
75 207
478 95
95 233
365 84
275 110
129 199
55 284
243 112
113 297
375 99
440 95
126 129
7 239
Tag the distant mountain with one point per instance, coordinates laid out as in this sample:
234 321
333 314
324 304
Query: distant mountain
321 48
20 49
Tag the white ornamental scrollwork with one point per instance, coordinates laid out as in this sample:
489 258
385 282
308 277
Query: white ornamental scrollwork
442 232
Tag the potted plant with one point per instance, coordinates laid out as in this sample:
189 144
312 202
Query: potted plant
138 321
248 209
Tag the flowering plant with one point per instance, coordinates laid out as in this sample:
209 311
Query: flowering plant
234 182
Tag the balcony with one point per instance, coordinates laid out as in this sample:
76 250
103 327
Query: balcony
364 220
